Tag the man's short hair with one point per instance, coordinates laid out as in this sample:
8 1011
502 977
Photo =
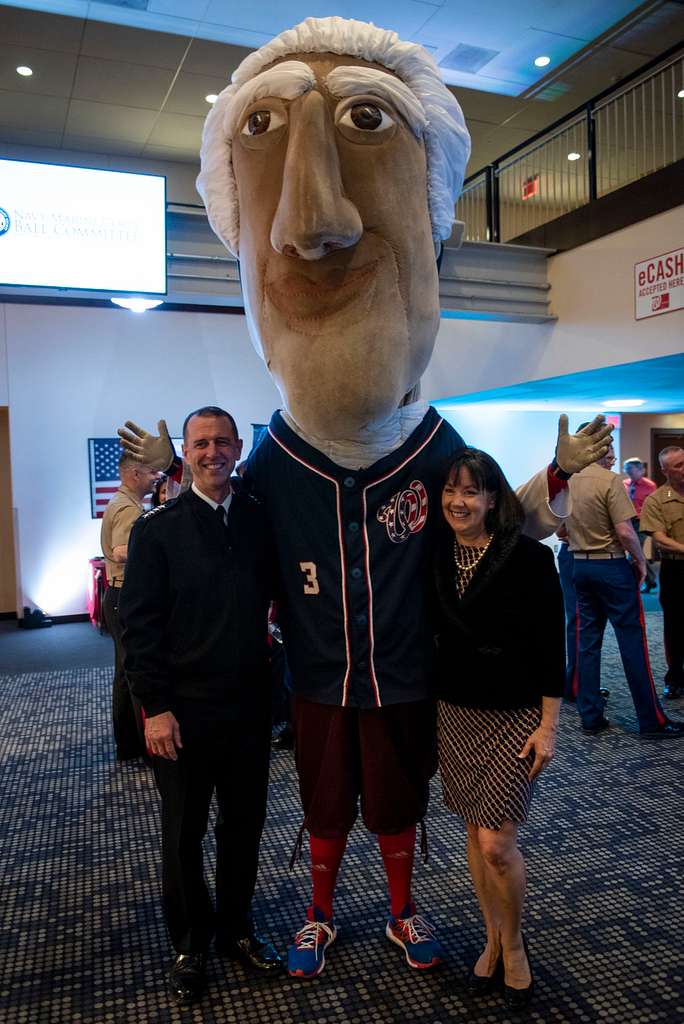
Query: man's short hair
447 142
210 410
633 462
671 448
127 462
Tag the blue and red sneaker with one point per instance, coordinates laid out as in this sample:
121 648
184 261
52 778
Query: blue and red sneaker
306 958
416 937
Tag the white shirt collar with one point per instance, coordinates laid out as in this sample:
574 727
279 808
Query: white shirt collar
214 504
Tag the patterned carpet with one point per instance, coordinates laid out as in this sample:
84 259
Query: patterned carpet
83 940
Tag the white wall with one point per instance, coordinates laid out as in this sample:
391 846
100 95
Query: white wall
76 373
521 442
4 392
592 294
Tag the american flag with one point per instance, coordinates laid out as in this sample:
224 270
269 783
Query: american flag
103 455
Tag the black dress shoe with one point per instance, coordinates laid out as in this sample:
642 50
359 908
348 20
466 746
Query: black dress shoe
481 984
520 998
594 730
669 728
253 951
284 740
604 693
187 977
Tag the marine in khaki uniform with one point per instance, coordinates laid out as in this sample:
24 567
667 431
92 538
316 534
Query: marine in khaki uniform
601 535
662 516
121 512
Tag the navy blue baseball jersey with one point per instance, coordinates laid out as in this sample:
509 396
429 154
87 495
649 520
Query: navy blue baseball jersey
353 552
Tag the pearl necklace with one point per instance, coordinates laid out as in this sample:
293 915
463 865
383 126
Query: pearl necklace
473 556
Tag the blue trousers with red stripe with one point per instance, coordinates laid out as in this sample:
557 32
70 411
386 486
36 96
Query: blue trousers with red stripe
566 565
607 591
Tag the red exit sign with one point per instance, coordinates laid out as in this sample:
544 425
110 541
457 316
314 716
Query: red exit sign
530 187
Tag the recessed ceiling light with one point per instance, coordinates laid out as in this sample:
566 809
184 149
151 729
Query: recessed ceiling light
137 305
211 98
680 94
541 62
24 71
574 156
623 403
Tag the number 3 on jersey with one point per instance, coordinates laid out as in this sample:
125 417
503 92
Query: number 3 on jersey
311 584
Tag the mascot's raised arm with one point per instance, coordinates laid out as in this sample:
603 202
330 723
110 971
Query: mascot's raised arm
330 167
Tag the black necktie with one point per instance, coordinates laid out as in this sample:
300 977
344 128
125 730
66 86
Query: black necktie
632 491
221 515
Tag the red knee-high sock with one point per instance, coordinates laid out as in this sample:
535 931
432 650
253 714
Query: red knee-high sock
326 855
397 856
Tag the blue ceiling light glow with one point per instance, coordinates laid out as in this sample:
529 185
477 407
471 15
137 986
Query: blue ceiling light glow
659 382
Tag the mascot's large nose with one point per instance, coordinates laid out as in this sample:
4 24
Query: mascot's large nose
314 217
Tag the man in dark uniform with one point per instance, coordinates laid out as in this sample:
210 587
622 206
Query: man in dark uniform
662 516
194 609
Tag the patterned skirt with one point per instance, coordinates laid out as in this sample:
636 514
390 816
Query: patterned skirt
483 780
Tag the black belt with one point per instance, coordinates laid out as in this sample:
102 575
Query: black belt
673 556
116 585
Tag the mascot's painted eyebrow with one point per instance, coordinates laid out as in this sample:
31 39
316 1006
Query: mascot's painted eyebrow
285 81
355 80
294 78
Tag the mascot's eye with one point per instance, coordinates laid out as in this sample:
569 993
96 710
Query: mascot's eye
366 117
261 121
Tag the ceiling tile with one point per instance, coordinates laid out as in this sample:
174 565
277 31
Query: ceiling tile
133 85
177 131
206 57
34 113
134 46
187 95
185 156
94 144
40 30
53 72
105 121
12 137
178 8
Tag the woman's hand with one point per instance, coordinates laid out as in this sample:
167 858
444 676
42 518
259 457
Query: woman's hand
543 743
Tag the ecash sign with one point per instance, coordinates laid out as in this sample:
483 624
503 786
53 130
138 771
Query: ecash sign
659 284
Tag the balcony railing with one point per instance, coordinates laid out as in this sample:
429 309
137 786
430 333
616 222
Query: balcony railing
630 131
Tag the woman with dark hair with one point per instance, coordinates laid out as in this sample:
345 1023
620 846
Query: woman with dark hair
159 491
500 670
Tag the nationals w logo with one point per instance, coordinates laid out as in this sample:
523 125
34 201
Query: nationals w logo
405 513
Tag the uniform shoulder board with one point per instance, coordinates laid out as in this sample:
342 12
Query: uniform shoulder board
153 512
160 508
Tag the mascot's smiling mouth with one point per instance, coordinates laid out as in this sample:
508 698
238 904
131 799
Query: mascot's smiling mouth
295 294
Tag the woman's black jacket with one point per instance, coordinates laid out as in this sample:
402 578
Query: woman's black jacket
503 644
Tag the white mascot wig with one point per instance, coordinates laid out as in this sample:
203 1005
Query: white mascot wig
446 139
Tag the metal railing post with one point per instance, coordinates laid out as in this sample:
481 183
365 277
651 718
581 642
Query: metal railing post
493 211
591 153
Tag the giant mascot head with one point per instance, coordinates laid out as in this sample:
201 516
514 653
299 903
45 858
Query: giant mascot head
330 168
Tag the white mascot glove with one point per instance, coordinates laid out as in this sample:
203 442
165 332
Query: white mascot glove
574 452
155 452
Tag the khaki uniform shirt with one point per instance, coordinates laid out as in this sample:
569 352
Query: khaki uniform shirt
117 523
664 511
599 501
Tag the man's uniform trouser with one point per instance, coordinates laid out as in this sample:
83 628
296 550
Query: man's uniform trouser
228 756
672 603
607 590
